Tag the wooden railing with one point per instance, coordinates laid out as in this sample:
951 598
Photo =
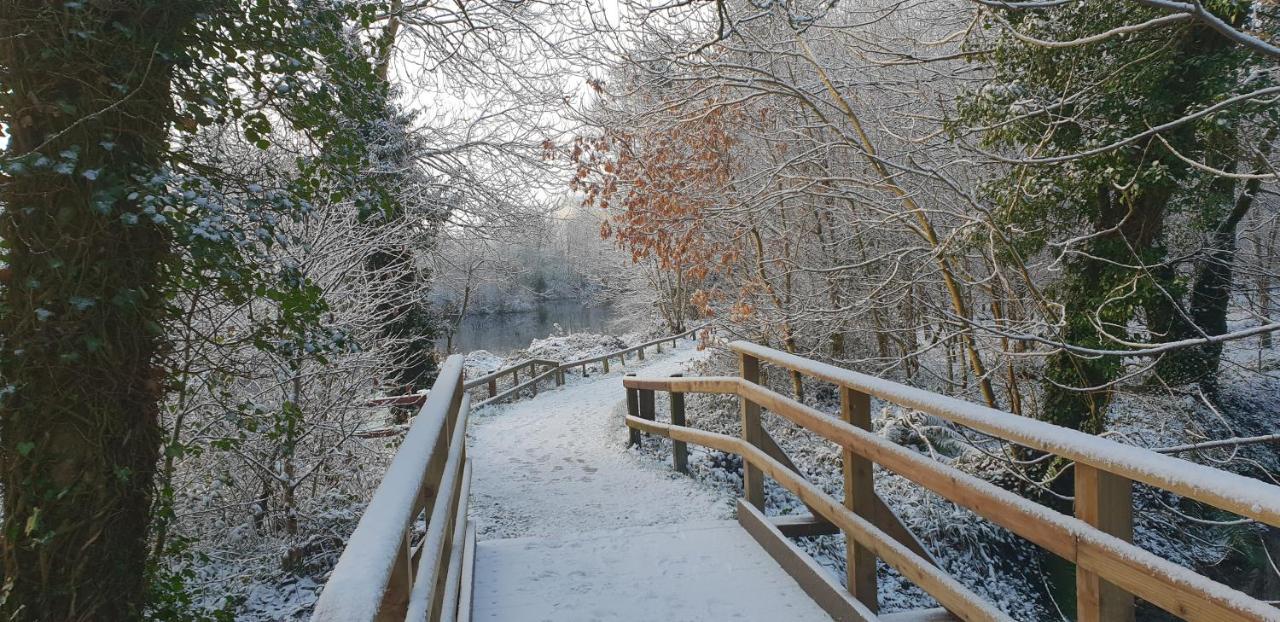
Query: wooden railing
550 369
621 355
1110 570
382 574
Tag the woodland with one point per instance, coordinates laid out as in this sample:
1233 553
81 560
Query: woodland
226 225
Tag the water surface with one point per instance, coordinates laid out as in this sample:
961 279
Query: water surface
502 333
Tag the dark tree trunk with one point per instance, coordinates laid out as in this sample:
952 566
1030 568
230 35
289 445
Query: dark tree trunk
1077 389
1210 296
88 90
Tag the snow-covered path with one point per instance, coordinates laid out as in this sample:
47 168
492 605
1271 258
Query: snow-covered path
558 463
573 527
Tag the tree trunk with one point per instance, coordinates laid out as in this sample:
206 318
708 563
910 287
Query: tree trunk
81 315
1077 389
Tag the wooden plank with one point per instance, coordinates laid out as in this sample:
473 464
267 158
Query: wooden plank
1135 570
450 595
752 479
803 525
892 524
363 573
425 597
813 579
467 589
945 589
1106 502
859 496
771 447
1238 494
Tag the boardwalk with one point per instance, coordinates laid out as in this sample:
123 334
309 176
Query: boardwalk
572 526
538 511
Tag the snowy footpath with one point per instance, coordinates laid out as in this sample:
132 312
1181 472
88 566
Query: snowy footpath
573 526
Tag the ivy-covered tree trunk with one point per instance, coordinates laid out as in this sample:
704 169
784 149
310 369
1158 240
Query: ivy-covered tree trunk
1077 388
87 103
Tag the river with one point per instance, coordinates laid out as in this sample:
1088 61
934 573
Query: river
502 333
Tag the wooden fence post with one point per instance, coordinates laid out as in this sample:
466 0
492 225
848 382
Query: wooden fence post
646 405
679 449
1104 500
493 387
859 496
752 478
559 376
606 364
640 354
633 409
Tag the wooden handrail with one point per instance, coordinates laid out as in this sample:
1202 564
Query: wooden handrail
374 577
1136 571
556 369
494 375
949 592
628 350
532 382
1221 489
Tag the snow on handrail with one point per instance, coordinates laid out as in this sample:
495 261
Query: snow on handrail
1228 491
629 349
356 587
1137 571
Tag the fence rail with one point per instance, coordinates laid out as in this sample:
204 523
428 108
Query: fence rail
1110 570
382 574
552 369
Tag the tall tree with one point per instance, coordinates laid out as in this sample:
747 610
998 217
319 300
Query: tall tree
1075 99
105 216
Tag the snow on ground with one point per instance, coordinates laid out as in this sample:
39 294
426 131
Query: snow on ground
558 463
481 362
572 525
565 348
700 571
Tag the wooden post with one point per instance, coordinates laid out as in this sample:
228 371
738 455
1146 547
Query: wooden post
659 347
859 496
606 364
679 449
646 405
752 478
633 409
640 354
396 598
559 376
493 387
1104 500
